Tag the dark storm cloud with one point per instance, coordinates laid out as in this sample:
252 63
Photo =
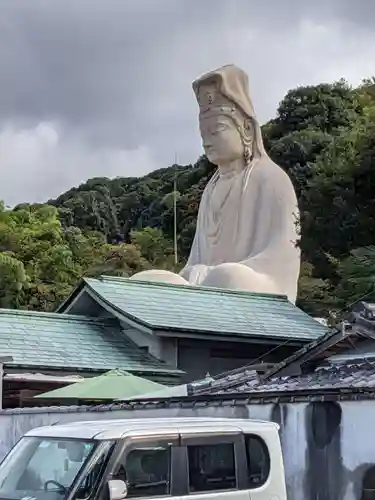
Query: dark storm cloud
101 64
103 87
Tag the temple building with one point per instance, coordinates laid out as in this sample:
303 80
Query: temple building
168 333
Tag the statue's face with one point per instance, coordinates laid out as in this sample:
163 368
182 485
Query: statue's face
221 139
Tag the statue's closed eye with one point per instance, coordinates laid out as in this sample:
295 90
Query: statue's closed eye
220 128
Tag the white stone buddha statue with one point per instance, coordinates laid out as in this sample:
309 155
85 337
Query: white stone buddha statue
247 226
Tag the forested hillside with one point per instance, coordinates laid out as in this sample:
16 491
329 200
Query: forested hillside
323 136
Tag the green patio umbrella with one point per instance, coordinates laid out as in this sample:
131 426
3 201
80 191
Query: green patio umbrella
115 384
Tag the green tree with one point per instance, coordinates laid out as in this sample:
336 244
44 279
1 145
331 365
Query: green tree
338 204
296 153
13 280
118 260
153 246
119 206
314 294
41 261
325 107
357 276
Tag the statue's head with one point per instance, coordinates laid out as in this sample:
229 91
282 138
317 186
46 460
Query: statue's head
227 120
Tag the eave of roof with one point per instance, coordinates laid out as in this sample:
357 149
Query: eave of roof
66 303
66 343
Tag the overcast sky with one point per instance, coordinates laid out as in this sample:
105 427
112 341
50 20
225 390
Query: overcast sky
103 87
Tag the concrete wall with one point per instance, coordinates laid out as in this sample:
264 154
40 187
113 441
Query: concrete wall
328 447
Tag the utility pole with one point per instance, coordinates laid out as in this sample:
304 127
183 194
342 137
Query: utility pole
175 210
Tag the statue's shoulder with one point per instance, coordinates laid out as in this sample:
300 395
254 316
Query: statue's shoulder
272 181
268 171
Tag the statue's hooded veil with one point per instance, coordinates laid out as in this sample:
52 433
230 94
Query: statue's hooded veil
233 83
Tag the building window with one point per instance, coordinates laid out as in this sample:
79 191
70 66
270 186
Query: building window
147 472
368 484
258 461
211 467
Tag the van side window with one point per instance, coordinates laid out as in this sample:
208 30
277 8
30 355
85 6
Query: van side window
211 467
147 472
258 460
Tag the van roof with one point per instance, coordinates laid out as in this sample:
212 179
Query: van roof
117 428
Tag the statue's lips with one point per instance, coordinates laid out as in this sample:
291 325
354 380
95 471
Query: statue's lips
209 150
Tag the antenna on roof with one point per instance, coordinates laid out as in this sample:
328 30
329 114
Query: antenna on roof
175 210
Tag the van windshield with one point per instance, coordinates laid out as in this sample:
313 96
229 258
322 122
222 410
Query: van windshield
43 468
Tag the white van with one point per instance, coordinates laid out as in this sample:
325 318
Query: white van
205 458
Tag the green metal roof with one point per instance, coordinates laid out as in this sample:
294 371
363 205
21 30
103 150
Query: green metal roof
182 308
115 384
59 341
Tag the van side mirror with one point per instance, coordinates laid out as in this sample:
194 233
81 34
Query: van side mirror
117 489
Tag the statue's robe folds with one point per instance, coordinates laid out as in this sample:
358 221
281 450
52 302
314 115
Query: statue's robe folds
246 235
247 230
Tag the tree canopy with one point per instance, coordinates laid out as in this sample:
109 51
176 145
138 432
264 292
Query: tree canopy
323 136
41 260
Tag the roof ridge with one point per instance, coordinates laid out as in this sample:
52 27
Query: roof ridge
192 289
53 315
121 287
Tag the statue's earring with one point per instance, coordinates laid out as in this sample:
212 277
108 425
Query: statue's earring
248 132
247 156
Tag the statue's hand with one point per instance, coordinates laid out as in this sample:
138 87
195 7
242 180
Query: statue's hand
195 274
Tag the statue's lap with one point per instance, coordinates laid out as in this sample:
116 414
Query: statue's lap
233 276
236 276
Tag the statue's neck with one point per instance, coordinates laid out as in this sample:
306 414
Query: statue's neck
230 169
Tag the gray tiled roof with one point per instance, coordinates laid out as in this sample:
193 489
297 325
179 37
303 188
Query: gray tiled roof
206 310
346 376
64 341
361 375
330 372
